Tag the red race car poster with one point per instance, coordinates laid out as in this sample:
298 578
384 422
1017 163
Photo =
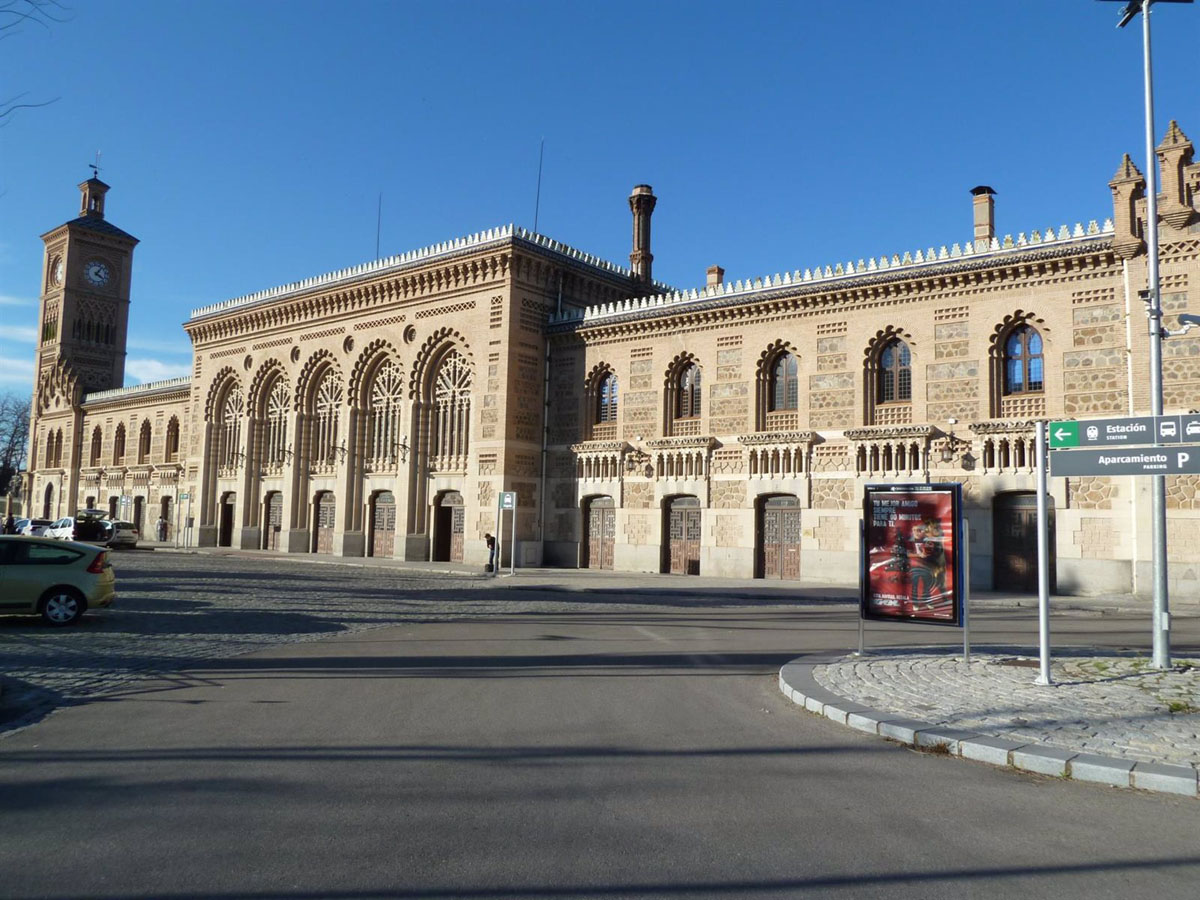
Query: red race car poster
911 557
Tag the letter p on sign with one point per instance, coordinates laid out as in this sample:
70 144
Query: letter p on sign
1182 458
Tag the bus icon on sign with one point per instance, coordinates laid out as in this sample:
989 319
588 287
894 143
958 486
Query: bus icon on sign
1167 429
1093 433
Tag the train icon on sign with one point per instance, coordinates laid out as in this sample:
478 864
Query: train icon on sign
1093 432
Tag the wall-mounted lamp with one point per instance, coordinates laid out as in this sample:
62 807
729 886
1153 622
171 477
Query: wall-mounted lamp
401 449
948 445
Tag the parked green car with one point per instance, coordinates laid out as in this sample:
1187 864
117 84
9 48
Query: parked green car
58 580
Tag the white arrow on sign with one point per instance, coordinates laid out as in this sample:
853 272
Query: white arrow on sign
1061 433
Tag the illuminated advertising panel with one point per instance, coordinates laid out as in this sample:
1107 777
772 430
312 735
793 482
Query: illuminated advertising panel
912 564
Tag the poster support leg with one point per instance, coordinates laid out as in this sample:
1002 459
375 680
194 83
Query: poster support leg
862 567
1043 558
512 550
966 591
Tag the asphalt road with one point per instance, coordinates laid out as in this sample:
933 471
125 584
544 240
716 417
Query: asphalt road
496 743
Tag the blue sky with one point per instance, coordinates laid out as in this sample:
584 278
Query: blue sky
247 142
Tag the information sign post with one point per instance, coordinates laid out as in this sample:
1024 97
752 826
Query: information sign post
508 500
1043 558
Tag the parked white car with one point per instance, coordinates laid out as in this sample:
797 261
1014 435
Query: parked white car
33 527
124 534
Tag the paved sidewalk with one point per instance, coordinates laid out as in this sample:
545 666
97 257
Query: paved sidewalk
1107 719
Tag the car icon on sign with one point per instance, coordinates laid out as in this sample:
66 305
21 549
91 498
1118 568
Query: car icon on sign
1167 429
1193 428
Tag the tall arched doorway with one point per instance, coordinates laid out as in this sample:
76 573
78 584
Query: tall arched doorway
272 520
600 532
1014 542
681 525
383 524
48 501
449 527
139 507
777 538
225 532
324 515
113 501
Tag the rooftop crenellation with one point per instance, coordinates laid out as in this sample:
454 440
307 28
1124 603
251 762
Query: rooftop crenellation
414 257
831 273
166 384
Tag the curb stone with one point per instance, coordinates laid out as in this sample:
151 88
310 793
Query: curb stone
797 683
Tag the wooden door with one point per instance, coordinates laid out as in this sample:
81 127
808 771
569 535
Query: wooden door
779 538
683 536
458 528
601 533
383 525
274 520
1014 543
326 508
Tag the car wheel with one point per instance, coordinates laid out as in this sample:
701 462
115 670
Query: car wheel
62 606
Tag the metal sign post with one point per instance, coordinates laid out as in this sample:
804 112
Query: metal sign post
1043 558
499 537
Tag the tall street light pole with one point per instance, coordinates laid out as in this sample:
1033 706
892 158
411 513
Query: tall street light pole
1161 623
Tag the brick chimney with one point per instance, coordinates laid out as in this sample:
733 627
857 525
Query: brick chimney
985 216
641 203
716 275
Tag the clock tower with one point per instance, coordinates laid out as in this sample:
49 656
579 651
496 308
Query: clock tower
84 309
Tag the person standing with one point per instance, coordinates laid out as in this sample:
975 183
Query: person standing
160 529
491 545
10 525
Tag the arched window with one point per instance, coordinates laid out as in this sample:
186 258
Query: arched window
327 404
49 450
144 442
229 438
173 440
687 393
119 445
97 439
275 448
606 399
452 409
895 373
785 385
58 448
383 427
1023 364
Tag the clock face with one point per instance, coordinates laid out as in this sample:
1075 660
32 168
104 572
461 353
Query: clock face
96 272
56 271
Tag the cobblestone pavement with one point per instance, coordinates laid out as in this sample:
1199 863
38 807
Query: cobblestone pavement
1107 705
175 610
